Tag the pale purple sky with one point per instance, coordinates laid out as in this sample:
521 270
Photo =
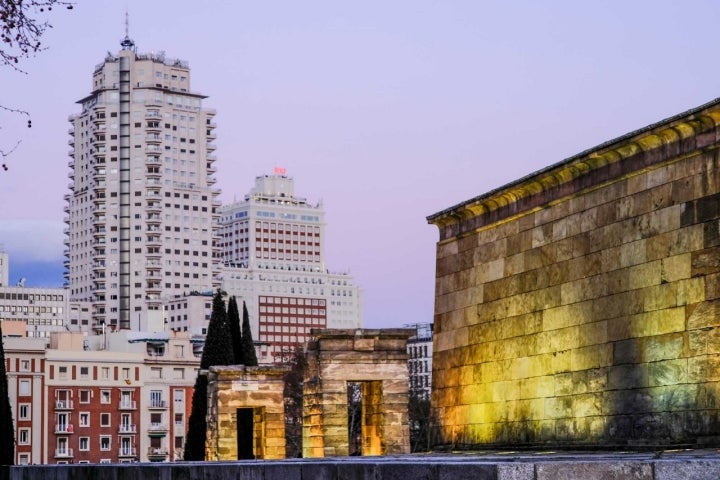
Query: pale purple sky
388 111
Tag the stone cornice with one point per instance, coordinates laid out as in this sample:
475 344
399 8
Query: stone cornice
674 137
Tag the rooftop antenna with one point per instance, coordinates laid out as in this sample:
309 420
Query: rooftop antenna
127 43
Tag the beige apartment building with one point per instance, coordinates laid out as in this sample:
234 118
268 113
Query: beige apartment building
142 201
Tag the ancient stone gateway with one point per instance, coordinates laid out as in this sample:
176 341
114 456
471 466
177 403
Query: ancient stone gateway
371 363
246 413
581 305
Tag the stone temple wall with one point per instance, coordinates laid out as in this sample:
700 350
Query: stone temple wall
581 305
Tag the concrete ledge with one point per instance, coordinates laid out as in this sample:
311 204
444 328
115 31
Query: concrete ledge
687 465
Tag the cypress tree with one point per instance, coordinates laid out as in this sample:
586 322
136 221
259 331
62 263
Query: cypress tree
7 430
248 346
197 423
234 321
218 350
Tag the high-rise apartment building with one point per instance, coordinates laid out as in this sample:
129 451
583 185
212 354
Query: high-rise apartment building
272 247
142 204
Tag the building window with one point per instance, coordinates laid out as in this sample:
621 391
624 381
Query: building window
24 459
84 372
24 387
179 373
84 419
179 395
62 372
155 372
84 396
84 443
24 365
126 373
104 444
105 373
23 436
105 396
24 411
104 419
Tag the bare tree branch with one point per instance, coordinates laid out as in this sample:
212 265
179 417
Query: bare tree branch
21 29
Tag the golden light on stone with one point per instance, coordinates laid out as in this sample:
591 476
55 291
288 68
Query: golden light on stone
581 305
376 359
237 389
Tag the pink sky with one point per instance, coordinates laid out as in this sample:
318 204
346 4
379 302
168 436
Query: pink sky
386 111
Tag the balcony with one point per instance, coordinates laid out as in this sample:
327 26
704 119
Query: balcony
126 428
158 428
63 453
64 428
127 452
128 405
157 453
158 404
64 405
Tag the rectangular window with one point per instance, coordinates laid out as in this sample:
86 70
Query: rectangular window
84 443
105 396
23 436
105 444
24 387
178 395
24 411
84 396
104 419
105 373
24 365
84 419
156 398
62 372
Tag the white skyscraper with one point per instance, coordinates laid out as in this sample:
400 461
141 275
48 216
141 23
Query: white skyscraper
272 246
141 206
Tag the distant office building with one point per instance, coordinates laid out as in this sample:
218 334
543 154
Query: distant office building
42 310
420 350
142 201
272 247
4 268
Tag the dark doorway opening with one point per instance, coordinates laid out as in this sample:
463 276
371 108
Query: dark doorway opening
245 433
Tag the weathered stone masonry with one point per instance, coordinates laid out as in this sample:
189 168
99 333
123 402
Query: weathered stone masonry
580 305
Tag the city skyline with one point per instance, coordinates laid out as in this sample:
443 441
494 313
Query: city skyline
386 113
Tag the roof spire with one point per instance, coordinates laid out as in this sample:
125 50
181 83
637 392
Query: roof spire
127 43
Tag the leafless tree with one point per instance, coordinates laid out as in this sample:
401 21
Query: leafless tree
22 25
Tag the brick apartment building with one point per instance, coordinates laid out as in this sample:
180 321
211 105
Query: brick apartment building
120 398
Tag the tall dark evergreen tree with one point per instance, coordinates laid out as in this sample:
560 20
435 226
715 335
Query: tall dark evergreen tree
248 346
234 321
7 431
218 350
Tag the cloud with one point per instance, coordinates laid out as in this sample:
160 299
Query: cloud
32 240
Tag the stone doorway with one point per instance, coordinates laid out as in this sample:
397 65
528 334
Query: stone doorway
246 413
361 369
249 433
365 418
